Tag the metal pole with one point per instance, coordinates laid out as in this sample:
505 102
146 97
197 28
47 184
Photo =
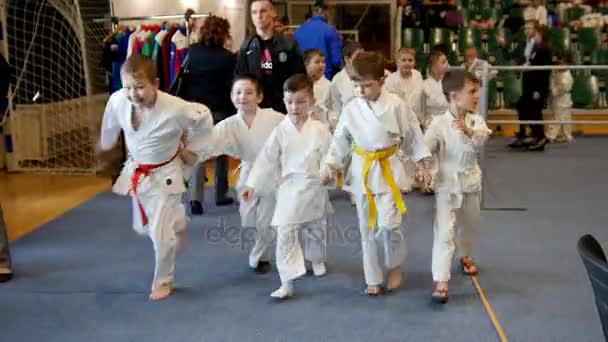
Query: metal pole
484 115
544 122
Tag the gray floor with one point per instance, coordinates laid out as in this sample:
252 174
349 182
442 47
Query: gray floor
85 276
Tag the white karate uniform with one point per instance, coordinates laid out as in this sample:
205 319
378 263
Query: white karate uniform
561 103
342 89
155 142
409 90
323 111
232 137
457 185
375 126
302 202
435 102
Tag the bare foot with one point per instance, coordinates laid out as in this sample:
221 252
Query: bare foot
162 292
395 279
182 240
374 290
5 270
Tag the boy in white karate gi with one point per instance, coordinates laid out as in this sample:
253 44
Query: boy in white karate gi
375 125
455 138
560 84
242 136
342 87
296 148
314 61
162 133
407 83
434 100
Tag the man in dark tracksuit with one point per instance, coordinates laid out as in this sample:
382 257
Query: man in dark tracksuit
6 272
271 56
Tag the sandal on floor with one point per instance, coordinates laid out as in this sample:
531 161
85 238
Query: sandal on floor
468 267
366 291
440 296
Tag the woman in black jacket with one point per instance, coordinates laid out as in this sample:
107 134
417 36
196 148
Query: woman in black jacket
211 68
535 86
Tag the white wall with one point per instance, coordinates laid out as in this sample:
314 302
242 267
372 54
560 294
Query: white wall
233 10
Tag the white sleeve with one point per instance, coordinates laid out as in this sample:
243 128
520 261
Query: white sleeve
340 145
224 141
334 95
413 144
263 175
197 120
391 85
432 137
110 127
433 99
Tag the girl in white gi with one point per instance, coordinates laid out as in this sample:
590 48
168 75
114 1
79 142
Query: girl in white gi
314 61
161 133
242 136
434 100
407 83
375 125
295 148
561 102
455 137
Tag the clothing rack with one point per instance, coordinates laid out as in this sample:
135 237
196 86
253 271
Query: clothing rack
186 16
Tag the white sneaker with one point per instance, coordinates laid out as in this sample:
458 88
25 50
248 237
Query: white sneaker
283 292
319 269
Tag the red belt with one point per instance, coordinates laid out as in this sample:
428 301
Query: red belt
143 170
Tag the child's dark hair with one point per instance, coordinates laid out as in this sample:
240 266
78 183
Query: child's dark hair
454 81
251 78
435 54
310 54
369 65
299 82
350 47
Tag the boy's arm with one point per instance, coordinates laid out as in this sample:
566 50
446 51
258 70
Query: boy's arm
338 149
198 125
264 173
413 143
110 128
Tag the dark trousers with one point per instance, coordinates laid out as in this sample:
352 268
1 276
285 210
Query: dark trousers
5 255
529 108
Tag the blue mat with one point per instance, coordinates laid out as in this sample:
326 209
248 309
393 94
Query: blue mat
86 275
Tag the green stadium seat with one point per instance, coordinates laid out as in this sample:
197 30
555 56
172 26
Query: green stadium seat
511 88
469 36
585 91
492 95
441 36
560 40
574 13
588 40
412 37
490 14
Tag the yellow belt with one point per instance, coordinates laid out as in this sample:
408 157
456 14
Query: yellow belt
382 156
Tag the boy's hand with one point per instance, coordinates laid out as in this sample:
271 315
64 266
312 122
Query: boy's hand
247 193
423 176
461 126
188 157
328 175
